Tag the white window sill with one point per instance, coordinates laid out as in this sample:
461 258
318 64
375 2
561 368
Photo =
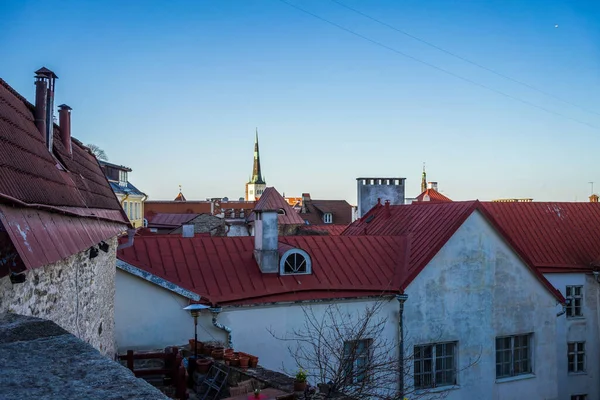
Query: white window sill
576 373
578 317
439 389
515 378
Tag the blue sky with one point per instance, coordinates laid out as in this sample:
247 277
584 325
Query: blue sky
175 90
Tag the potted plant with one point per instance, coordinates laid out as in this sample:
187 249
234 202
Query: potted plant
300 381
257 393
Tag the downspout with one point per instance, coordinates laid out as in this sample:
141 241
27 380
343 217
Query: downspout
401 299
215 313
129 243
564 310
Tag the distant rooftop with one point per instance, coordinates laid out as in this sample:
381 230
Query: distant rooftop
42 361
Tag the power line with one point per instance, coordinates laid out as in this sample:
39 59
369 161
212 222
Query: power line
465 59
436 67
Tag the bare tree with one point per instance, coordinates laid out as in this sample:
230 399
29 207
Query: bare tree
97 152
353 356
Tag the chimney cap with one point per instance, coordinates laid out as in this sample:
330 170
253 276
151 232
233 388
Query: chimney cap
45 72
64 107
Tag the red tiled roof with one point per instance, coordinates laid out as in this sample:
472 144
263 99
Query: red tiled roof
165 220
555 237
272 200
429 226
341 211
222 270
331 229
433 194
29 172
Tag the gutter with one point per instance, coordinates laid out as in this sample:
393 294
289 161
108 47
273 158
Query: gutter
215 313
401 299
129 243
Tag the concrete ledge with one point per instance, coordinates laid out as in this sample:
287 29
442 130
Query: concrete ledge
42 361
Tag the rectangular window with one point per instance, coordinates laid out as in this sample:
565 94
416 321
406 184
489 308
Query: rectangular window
579 397
125 208
137 210
122 178
356 360
327 218
513 355
435 365
576 356
574 301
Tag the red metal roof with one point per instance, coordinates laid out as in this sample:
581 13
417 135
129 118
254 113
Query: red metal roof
29 172
429 226
331 229
42 237
272 200
223 270
555 237
433 194
166 220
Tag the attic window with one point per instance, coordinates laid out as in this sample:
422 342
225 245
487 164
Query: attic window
122 178
328 218
281 211
295 262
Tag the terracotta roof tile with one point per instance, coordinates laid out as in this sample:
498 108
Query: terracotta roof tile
341 211
272 200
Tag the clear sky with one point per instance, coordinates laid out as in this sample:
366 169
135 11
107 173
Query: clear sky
174 90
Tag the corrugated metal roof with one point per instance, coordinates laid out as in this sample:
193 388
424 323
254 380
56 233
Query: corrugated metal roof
29 172
429 226
433 194
270 199
554 236
224 271
170 220
42 237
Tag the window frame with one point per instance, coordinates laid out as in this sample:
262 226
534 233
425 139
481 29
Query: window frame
284 257
328 218
574 301
578 357
512 349
434 370
351 361
126 208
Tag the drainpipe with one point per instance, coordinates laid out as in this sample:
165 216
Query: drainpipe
129 243
215 313
401 299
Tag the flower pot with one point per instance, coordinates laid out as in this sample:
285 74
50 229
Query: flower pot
207 350
202 366
244 362
217 354
253 363
299 386
234 361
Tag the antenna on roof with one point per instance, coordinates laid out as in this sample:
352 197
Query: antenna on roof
592 183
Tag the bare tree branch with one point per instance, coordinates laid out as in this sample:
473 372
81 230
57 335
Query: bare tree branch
97 152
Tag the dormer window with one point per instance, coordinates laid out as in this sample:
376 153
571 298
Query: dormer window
281 211
295 262
122 178
328 218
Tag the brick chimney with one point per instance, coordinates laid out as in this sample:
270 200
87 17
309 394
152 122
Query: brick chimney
387 213
64 116
266 241
44 104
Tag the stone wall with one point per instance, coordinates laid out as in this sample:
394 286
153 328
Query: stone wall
76 293
206 223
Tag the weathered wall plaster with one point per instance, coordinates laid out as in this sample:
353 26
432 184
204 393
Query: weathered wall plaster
76 293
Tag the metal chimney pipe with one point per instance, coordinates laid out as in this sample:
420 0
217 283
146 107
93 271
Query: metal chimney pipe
64 115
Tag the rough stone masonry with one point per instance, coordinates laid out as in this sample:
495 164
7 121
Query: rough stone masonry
76 293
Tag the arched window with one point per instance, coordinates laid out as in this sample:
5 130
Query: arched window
281 211
295 262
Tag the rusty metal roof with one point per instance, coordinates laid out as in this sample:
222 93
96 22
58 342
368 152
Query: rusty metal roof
554 236
223 270
29 173
429 226
42 237
270 199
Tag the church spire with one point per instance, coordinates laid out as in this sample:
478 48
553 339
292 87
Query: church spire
423 180
256 173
